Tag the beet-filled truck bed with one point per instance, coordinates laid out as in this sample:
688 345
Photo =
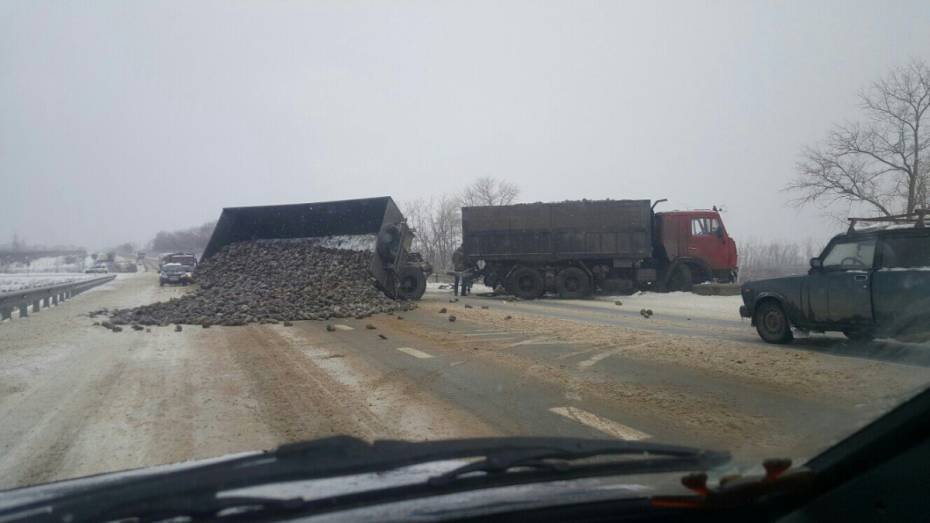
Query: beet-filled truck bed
576 247
559 231
371 224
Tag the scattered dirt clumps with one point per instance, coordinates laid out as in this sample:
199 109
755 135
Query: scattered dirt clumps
270 281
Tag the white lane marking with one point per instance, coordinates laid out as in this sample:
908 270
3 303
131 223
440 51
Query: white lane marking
598 357
415 353
489 340
491 333
604 425
341 327
545 341
576 353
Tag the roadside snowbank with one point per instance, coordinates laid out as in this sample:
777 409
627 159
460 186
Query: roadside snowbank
15 282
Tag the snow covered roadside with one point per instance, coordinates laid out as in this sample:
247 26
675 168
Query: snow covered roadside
15 282
682 304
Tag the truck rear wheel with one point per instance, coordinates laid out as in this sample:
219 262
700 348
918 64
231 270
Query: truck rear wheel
526 283
572 283
411 283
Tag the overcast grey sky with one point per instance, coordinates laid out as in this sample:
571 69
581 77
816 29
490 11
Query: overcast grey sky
119 119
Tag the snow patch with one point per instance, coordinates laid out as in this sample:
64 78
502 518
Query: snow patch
16 282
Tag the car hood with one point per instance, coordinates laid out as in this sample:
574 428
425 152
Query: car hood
459 504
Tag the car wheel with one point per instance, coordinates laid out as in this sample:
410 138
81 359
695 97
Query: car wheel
526 283
572 282
859 335
680 280
772 323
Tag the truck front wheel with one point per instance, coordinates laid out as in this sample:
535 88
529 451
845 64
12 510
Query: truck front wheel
573 283
680 280
526 283
772 323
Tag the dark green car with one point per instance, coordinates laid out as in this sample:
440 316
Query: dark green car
866 284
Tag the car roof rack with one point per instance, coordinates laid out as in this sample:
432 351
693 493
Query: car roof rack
917 217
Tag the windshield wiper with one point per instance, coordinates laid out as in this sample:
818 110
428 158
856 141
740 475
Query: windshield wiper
194 491
648 457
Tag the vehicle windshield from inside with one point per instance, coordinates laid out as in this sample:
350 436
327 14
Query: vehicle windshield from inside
278 259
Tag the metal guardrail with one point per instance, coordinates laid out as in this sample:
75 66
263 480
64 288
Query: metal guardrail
45 296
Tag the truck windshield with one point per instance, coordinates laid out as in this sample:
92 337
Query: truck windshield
704 226
857 254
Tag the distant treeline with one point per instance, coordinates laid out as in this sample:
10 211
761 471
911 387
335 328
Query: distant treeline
759 259
187 240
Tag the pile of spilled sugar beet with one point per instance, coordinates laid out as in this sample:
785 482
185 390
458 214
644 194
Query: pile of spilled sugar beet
268 281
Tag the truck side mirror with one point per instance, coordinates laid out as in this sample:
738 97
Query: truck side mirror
816 263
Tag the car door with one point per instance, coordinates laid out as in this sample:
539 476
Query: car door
901 286
840 293
708 242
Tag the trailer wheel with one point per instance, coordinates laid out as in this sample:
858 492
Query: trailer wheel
680 280
411 283
526 283
572 283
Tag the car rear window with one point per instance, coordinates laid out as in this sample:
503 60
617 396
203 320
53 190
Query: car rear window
906 252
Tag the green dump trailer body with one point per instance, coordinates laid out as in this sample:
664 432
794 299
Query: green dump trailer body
548 232
392 265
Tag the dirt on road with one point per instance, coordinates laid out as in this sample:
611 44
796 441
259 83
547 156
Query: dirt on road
801 372
76 399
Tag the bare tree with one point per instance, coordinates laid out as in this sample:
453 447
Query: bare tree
489 191
772 259
437 220
437 223
882 161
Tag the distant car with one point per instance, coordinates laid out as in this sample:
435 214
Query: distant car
97 269
176 273
183 258
866 283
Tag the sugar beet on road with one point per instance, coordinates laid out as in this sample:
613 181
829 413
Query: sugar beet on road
77 399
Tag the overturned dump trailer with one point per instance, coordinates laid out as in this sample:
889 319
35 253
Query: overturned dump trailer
371 224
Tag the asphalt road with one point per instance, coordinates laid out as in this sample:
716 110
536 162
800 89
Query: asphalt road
76 399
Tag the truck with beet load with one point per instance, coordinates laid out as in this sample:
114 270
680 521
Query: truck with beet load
576 248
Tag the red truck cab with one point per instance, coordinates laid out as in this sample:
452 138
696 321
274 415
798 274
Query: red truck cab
698 241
